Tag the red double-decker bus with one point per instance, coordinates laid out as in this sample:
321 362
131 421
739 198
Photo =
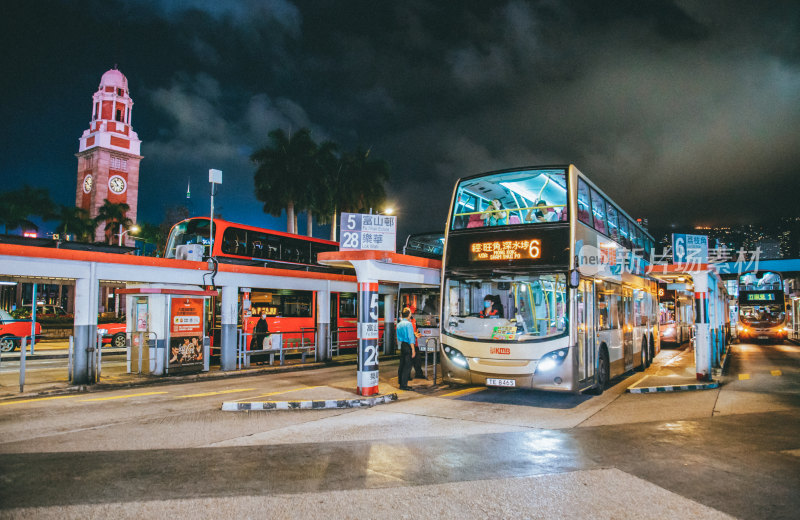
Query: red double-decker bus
293 313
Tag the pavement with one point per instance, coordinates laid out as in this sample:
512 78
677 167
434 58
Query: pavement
672 370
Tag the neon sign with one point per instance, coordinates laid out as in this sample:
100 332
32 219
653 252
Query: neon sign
506 249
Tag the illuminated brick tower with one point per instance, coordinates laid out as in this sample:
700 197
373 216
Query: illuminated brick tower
108 157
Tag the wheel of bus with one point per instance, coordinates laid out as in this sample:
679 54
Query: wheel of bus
645 356
602 375
7 343
118 341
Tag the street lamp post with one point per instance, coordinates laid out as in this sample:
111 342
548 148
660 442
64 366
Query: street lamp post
214 177
122 233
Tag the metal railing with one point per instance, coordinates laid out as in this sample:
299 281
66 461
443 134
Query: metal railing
336 342
287 342
431 345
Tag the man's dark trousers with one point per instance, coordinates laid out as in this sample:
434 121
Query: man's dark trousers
416 361
404 369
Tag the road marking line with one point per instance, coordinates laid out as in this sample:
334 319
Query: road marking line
742 377
121 396
38 399
206 394
464 391
775 372
243 399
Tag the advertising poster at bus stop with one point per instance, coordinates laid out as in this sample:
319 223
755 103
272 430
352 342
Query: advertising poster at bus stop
186 331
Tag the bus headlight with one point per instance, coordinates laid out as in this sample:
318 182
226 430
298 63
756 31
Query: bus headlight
455 356
552 359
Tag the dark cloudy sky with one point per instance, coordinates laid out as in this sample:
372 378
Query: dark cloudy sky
685 112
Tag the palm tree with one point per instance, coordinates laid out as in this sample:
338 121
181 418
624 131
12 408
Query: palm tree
17 206
367 178
76 221
353 183
113 214
284 171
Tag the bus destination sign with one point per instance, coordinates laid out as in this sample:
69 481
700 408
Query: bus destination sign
505 250
761 297
491 247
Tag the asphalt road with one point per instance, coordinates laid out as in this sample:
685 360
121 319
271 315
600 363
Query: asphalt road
167 450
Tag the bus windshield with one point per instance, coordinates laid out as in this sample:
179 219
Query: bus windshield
509 198
193 231
762 315
523 307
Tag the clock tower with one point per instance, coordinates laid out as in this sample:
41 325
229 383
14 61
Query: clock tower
108 156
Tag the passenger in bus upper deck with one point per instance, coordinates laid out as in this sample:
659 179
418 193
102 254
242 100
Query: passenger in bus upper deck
495 215
541 214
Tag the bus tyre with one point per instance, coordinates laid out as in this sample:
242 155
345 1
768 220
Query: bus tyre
645 356
602 375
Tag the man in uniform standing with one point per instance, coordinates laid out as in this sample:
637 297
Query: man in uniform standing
406 339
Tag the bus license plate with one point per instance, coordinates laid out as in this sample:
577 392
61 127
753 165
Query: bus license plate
500 382
763 337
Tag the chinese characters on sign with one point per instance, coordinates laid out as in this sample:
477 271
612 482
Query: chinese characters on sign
371 232
689 248
506 250
186 330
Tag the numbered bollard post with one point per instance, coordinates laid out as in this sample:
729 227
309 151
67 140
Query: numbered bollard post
368 338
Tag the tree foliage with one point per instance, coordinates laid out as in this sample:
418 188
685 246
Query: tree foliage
294 173
113 214
77 222
17 207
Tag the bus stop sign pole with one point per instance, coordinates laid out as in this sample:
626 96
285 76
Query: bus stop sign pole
368 337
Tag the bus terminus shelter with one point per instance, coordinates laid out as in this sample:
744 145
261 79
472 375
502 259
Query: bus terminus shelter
711 312
374 268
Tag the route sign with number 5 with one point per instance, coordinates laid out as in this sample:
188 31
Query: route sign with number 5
371 232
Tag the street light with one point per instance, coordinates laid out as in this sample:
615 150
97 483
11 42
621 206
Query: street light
214 178
133 228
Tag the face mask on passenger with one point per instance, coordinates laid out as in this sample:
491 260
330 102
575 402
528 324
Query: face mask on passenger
487 304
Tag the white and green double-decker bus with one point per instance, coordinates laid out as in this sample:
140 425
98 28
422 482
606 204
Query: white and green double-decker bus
543 283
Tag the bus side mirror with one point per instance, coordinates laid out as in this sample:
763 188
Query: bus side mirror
574 279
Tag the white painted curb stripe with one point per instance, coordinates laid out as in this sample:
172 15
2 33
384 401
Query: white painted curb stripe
234 406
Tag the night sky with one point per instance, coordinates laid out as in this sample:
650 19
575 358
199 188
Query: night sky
684 112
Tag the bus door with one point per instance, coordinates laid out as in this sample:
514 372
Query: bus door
626 316
584 309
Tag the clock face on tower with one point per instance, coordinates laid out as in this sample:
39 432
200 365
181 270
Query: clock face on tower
88 182
117 184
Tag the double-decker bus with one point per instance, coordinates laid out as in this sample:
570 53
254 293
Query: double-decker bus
675 316
242 244
290 312
543 253
426 245
762 307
